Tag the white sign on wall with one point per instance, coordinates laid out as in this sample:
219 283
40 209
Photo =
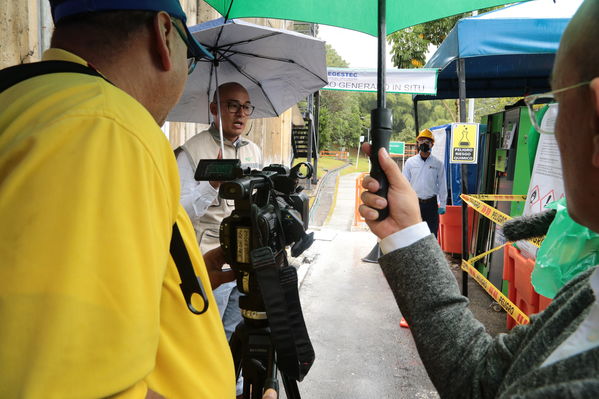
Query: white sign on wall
546 181
410 81
438 150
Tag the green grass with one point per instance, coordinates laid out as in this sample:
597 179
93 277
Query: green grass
363 166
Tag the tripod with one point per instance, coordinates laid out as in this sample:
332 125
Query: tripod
254 354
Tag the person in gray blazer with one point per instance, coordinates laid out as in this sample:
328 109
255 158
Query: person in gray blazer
557 354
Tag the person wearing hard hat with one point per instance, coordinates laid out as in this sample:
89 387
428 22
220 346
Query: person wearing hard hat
556 355
426 175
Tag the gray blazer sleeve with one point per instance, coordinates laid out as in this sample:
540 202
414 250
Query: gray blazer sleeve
462 360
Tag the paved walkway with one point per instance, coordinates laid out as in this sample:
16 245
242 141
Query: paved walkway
352 318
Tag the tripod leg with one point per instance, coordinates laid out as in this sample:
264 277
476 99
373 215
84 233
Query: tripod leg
236 345
291 389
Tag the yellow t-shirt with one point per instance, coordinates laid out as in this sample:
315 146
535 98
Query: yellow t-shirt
90 304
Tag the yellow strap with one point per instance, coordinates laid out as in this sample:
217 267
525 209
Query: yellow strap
497 295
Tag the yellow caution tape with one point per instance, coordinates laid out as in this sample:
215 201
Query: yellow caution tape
486 210
498 197
537 241
495 215
479 257
497 295
476 202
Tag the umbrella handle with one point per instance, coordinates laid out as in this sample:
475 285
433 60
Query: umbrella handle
381 134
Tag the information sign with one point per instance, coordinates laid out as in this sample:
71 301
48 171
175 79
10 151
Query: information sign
464 143
397 147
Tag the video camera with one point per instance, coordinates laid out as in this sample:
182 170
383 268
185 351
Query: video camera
271 213
270 198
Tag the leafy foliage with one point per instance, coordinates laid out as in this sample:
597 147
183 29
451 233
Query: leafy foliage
345 115
339 119
409 46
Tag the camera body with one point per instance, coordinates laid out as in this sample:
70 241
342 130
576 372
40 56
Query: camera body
270 210
271 213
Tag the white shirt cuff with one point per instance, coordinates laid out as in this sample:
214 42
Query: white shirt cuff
404 237
205 196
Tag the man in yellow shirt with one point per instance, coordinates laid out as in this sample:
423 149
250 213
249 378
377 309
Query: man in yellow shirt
90 304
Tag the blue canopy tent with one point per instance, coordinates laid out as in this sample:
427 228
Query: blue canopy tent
503 53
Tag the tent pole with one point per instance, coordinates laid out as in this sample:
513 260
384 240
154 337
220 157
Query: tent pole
381 100
380 118
461 69
316 134
416 121
310 133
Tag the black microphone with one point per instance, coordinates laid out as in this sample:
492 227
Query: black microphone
525 227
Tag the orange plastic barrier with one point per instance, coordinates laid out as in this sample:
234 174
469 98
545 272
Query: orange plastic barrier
358 200
517 270
543 302
335 154
450 229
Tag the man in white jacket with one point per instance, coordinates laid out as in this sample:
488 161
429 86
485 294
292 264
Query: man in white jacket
205 208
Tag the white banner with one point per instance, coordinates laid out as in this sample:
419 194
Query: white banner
546 181
409 81
438 150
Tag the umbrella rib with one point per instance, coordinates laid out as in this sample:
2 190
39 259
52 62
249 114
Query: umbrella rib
257 83
287 60
219 47
254 39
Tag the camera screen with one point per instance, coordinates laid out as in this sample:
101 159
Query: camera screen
217 169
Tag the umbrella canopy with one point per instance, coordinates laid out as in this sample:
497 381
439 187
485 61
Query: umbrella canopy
375 17
359 15
277 67
507 52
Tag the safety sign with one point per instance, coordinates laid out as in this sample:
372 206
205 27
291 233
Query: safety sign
464 143
397 147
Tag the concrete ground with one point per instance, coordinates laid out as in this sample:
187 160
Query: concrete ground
352 317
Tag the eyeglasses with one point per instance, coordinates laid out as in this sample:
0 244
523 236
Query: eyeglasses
234 107
191 60
536 102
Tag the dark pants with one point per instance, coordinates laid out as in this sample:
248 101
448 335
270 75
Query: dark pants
429 210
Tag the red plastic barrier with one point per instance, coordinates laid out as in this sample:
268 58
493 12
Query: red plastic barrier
517 270
544 302
450 229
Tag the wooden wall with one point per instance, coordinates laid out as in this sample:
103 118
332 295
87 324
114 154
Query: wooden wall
25 30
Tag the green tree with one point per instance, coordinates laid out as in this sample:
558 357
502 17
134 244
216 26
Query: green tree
409 46
340 124
334 59
345 116
486 106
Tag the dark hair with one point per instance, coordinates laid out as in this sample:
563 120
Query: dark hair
105 31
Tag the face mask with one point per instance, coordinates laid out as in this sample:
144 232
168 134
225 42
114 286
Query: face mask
424 147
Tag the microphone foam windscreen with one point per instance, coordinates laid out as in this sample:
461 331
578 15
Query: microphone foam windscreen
525 227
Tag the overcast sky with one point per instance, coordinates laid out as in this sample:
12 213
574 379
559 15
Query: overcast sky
358 49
